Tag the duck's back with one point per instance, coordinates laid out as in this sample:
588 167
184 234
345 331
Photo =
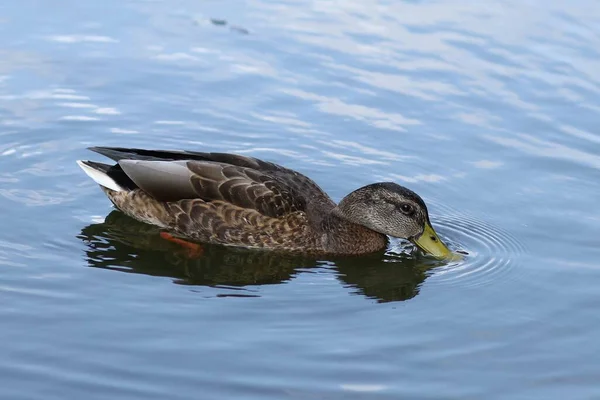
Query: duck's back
302 187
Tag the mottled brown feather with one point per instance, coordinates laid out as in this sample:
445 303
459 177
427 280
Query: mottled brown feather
243 201
245 188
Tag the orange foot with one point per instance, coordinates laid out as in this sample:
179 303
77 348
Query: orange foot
193 250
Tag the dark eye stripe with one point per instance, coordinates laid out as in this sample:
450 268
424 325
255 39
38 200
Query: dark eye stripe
407 208
404 208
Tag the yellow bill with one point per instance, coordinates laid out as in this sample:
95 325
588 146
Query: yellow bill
430 243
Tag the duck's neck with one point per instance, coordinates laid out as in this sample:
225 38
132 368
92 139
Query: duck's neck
347 237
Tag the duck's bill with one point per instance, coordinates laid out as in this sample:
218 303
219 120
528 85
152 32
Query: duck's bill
430 243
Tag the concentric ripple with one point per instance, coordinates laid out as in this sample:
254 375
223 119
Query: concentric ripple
490 252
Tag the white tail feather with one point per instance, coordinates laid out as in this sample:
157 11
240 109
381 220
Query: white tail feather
100 177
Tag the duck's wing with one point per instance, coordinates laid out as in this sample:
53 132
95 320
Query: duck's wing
243 181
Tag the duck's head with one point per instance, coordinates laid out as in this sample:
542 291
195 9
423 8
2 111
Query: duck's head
393 210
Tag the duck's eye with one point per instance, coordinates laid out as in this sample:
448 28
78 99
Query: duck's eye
406 208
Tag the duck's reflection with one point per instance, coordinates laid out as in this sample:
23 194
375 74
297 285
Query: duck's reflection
124 244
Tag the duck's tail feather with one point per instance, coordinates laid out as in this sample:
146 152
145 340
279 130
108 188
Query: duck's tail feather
101 174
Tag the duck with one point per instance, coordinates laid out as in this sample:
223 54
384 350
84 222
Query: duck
237 200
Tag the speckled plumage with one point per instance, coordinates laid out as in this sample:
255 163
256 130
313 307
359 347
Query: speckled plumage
232 200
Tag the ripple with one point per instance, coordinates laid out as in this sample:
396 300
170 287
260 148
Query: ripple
491 253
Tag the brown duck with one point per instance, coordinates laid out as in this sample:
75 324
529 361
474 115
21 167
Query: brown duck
236 200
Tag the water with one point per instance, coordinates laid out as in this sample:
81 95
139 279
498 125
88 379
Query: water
488 110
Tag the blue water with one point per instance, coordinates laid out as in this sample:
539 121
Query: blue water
488 110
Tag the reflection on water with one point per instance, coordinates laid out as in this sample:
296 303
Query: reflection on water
121 243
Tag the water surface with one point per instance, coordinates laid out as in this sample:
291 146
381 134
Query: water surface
488 111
